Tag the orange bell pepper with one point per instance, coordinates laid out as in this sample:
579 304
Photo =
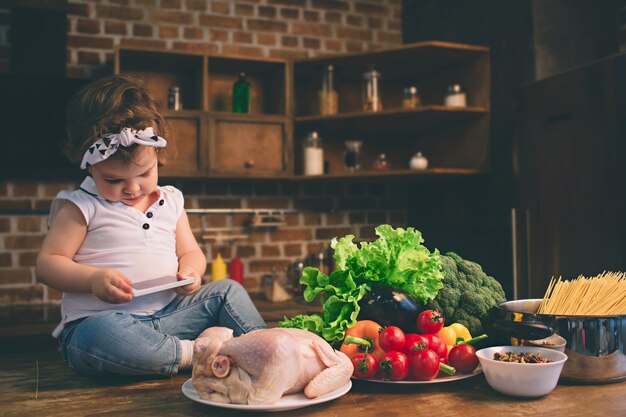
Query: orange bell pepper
368 330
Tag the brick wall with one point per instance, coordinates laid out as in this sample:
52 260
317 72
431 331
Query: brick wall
260 28
324 210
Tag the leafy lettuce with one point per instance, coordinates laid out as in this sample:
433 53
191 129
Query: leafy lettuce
395 258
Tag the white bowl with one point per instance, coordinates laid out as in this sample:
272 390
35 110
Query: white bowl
522 379
555 342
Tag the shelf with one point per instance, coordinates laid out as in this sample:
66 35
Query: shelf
369 176
392 121
417 58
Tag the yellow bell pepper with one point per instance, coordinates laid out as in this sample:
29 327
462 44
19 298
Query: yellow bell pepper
451 333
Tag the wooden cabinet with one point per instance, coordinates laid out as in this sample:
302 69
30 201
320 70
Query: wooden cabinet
268 142
211 140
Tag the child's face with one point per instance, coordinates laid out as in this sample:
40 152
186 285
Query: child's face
128 182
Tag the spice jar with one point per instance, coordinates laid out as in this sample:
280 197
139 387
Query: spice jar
173 98
327 96
410 99
352 155
418 162
456 97
371 97
313 155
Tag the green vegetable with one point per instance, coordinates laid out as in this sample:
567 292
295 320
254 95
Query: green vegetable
468 293
395 258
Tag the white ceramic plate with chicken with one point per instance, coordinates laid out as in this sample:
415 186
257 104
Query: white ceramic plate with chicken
437 380
286 402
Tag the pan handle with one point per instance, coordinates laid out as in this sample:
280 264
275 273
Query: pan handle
523 330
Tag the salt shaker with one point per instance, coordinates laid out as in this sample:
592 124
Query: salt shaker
456 97
418 162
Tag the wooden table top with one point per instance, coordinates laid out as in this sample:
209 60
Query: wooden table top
63 393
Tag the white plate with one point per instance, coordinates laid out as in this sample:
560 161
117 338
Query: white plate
287 402
159 284
437 380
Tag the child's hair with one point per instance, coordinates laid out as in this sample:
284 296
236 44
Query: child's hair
107 106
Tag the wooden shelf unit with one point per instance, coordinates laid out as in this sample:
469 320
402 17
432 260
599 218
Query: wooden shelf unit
214 142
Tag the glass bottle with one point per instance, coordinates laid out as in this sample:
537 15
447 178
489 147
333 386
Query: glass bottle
371 97
313 155
241 95
352 155
328 96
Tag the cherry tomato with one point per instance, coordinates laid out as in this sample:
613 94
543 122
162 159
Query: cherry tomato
463 358
414 341
436 344
391 338
365 365
394 366
429 321
424 364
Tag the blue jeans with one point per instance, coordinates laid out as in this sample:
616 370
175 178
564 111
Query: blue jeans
113 342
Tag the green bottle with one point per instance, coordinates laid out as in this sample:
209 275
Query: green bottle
241 95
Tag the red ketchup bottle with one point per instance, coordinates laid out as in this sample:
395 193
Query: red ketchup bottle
236 270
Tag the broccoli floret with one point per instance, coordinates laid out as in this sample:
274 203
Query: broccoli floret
468 293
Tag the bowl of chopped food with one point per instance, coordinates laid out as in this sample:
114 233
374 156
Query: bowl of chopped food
522 371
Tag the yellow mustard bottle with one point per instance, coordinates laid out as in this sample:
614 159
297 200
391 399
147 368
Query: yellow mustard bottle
218 268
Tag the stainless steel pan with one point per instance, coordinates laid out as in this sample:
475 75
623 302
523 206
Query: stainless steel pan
596 346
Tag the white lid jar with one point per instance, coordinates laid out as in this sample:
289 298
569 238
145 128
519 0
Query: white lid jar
313 155
418 162
456 97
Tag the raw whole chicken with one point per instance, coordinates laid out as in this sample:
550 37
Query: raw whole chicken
261 366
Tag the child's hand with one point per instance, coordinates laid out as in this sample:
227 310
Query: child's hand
189 288
111 286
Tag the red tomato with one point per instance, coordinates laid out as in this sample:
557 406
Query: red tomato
391 338
436 344
424 364
463 358
429 321
365 365
394 366
414 341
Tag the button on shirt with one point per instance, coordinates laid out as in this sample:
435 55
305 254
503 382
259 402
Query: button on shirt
141 245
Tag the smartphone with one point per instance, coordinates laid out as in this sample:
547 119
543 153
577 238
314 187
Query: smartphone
159 284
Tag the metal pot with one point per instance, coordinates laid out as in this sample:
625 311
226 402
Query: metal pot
596 346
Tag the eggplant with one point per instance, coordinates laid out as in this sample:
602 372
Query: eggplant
390 306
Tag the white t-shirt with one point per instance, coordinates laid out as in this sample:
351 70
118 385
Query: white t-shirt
140 245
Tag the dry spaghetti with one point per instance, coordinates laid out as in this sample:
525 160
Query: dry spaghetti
602 295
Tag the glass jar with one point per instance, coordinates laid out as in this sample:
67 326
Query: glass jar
173 99
241 95
313 155
352 155
371 97
455 97
410 99
380 163
328 96
418 162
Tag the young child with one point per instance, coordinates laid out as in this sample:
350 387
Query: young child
120 226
